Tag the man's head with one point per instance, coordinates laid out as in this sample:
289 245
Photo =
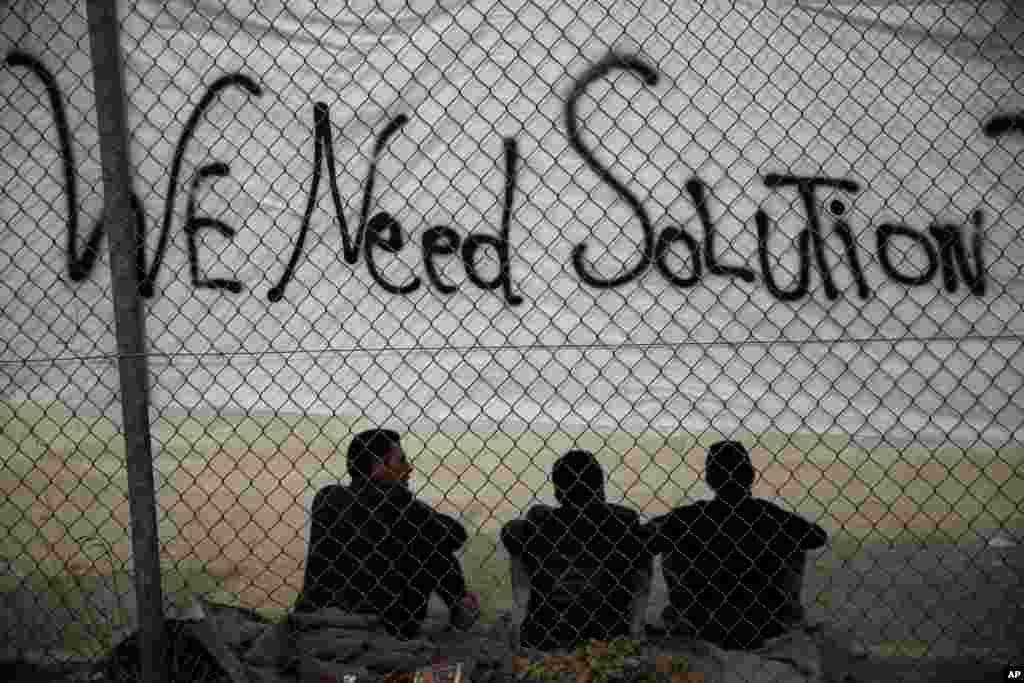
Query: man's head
729 470
377 454
578 478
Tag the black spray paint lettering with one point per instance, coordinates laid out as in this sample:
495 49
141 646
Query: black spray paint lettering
323 151
810 242
1003 124
948 253
803 280
193 224
845 233
886 233
811 238
78 267
384 232
439 240
148 284
953 254
698 193
668 237
650 78
500 244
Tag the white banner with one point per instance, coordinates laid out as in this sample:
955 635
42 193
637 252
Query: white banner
555 213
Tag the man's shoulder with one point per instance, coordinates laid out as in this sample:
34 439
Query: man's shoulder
692 511
334 493
539 512
540 517
332 488
405 503
601 514
773 511
375 490
697 518
333 504
626 514
630 520
385 502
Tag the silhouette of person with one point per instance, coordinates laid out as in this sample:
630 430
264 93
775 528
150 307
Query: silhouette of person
375 548
728 561
585 560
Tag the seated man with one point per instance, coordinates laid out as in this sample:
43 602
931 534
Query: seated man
585 561
731 563
375 549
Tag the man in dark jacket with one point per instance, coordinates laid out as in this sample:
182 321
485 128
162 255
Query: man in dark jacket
728 562
585 560
375 549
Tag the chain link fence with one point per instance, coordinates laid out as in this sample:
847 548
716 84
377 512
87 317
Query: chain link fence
507 230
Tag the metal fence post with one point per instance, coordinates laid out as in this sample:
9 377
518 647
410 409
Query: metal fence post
128 310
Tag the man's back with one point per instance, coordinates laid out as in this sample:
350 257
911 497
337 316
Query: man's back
725 566
581 562
367 542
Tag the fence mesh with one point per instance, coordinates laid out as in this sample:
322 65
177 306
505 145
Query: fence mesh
508 230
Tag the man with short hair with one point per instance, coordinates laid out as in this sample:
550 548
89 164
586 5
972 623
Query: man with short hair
729 562
376 549
585 560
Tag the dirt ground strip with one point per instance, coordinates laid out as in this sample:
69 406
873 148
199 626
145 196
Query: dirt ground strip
243 517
